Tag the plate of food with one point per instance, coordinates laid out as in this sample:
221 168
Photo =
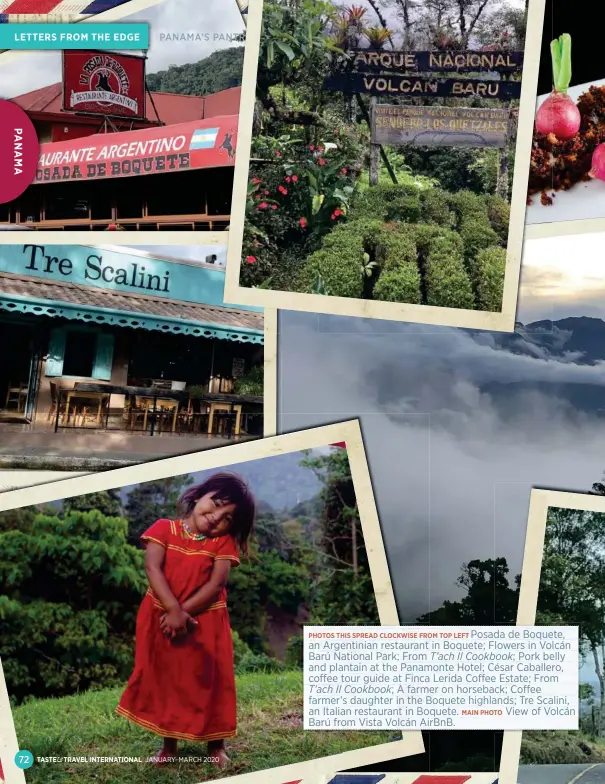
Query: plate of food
567 167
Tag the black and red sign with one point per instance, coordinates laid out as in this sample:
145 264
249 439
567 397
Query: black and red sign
104 83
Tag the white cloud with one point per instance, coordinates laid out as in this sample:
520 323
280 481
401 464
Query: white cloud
452 464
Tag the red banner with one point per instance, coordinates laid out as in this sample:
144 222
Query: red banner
199 144
104 83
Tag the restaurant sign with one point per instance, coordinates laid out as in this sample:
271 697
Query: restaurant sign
420 87
104 83
119 271
439 61
439 126
193 145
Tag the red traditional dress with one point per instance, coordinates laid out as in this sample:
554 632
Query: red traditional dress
184 687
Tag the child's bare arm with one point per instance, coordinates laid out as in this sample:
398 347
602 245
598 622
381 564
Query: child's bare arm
154 568
208 593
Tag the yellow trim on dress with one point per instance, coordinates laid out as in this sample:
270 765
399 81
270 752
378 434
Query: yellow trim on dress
160 606
148 725
189 552
151 539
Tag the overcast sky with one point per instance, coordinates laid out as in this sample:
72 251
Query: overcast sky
215 17
453 465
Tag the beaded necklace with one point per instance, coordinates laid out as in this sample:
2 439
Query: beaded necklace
189 533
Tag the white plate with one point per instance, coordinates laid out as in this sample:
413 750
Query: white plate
584 201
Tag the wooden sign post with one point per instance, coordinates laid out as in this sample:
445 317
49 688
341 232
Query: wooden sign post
375 145
430 74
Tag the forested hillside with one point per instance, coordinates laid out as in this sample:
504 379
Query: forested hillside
219 71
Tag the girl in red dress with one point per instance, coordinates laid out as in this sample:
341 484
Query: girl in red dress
183 684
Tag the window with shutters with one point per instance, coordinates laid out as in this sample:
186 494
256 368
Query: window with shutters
80 353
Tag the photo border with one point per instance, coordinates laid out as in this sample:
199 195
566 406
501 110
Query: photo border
270 328
539 504
504 321
126 237
348 432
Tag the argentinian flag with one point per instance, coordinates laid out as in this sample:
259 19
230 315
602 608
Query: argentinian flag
204 139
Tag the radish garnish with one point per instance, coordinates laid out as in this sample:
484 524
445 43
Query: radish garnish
559 114
598 163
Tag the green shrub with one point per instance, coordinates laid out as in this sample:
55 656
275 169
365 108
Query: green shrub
295 652
370 230
394 248
339 264
424 234
498 212
489 278
447 283
245 660
467 205
435 208
388 203
477 236
399 284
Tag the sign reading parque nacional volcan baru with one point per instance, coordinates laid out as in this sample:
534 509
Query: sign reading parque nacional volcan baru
118 271
437 61
419 86
440 126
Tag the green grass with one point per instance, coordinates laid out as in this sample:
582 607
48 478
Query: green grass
269 734
559 747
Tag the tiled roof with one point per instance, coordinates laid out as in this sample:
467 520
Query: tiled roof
172 108
90 297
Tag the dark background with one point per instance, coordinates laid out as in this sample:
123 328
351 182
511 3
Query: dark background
563 16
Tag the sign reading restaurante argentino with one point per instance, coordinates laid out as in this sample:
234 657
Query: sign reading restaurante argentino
387 84
437 126
458 62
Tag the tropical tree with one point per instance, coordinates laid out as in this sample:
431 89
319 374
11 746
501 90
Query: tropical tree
572 583
151 501
107 502
344 592
69 590
489 598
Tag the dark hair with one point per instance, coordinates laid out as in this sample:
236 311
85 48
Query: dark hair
228 488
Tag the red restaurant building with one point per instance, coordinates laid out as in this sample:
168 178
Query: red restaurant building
169 168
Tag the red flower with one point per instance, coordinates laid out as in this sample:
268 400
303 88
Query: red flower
303 223
288 179
267 193
344 171
255 181
274 207
278 153
294 178
283 190
311 147
321 162
320 148
250 259
263 205
338 213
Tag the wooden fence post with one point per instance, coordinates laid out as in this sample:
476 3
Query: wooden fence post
374 148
